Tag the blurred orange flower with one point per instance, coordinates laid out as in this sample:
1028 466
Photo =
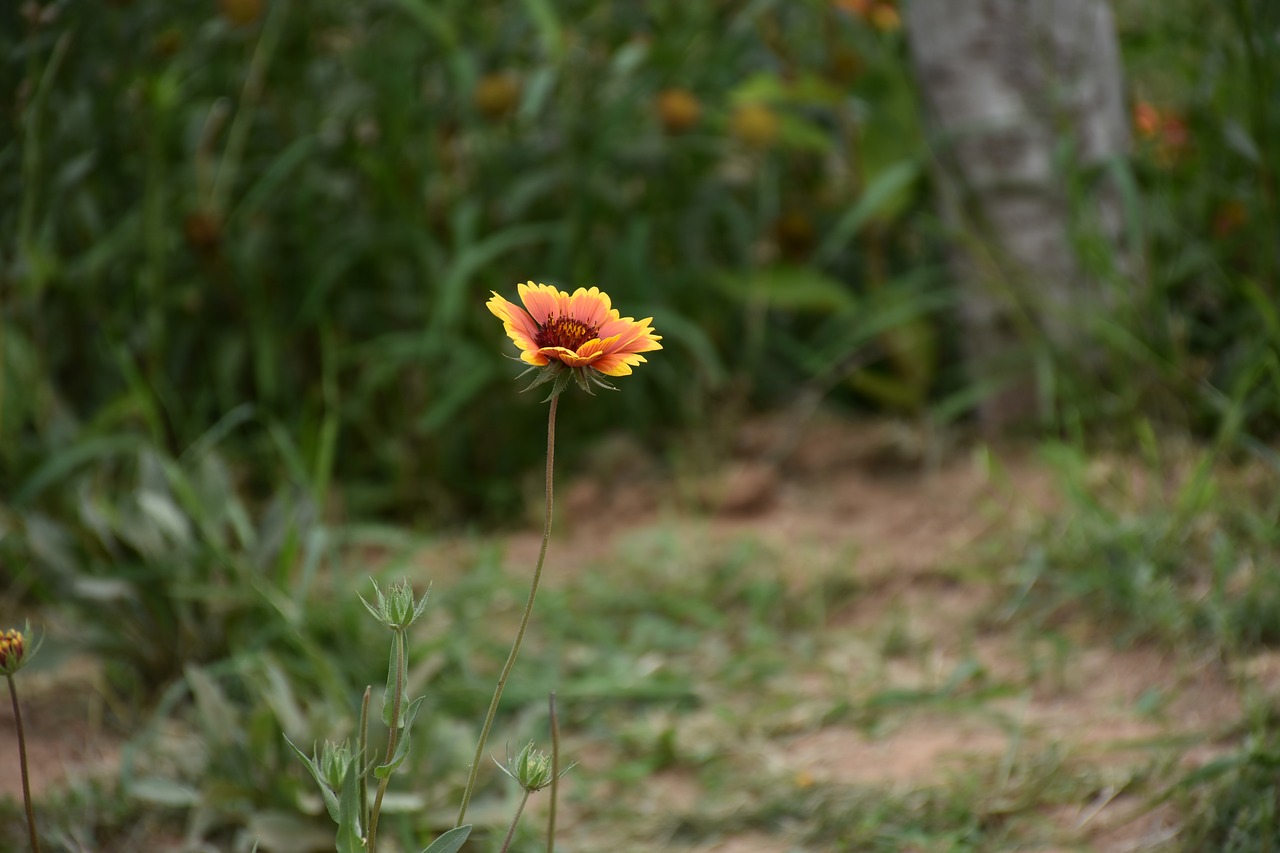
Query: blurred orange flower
582 330
881 14
1230 216
1146 119
1165 129
678 109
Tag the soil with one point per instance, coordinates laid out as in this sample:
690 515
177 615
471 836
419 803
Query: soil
914 513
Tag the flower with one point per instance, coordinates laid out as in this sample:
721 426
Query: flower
882 14
15 651
1164 129
496 95
531 769
397 609
754 124
241 13
582 331
678 109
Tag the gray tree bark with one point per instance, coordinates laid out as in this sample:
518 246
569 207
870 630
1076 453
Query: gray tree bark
1025 105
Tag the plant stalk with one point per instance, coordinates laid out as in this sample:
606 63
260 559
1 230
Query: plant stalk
22 761
555 771
524 621
392 737
362 753
511 830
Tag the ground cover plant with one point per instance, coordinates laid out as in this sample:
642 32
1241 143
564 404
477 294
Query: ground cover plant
245 365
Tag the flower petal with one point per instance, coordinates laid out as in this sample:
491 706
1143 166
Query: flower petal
543 301
571 358
632 336
517 323
591 307
618 364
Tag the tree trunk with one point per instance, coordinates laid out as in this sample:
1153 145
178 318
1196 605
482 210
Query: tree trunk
1024 102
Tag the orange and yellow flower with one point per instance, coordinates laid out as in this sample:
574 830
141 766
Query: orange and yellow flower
582 330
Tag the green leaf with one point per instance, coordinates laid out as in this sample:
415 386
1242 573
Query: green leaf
451 841
218 715
388 695
382 771
164 792
330 798
350 838
882 198
791 288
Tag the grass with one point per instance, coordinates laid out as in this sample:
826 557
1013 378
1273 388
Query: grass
718 684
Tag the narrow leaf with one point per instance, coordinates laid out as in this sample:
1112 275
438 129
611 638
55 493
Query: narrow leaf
382 771
396 662
330 799
350 836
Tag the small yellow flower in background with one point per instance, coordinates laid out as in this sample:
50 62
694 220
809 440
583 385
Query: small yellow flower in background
581 331
755 124
885 18
240 13
496 95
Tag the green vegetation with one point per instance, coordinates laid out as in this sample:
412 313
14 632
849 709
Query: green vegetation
245 365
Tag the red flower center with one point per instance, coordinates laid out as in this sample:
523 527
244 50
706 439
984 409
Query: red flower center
564 332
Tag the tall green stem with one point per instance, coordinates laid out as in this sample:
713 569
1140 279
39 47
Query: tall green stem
22 761
511 830
555 771
524 621
362 751
392 737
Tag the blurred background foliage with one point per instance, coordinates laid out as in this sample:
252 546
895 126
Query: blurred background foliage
245 248
275 224
301 208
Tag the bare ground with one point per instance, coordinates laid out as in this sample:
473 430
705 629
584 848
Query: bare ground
906 520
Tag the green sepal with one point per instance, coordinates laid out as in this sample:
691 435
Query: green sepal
451 841
380 611
382 771
546 373
563 378
595 377
350 838
330 798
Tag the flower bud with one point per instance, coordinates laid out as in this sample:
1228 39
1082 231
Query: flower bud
15 650
398 608
335 761
531 768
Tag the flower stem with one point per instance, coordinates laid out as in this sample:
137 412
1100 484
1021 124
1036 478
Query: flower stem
555 771
392 737
511 830
524 622
362 753
22 761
